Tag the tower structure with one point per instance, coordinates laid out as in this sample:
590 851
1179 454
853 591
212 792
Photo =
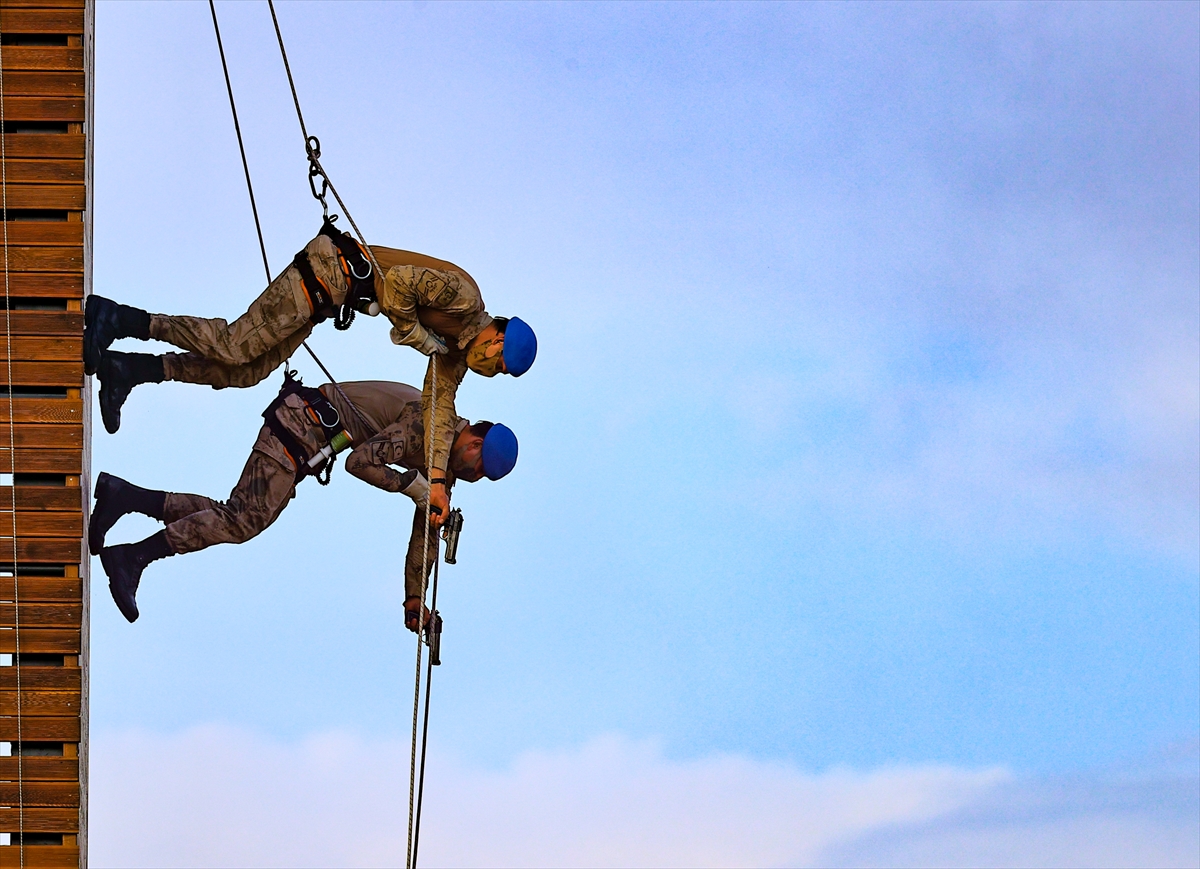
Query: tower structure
46 55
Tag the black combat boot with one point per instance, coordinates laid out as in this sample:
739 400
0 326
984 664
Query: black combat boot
104 321
124 565
116 497
119 373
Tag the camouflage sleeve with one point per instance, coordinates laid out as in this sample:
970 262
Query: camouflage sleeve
369 461
407 287
412 563
451 368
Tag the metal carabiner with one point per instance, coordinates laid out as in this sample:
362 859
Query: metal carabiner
357 276
337 419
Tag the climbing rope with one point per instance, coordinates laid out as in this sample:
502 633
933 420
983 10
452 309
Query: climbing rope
425 719
12 458
371 431
312 148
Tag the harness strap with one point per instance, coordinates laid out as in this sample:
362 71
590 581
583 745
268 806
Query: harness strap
320 411
319 295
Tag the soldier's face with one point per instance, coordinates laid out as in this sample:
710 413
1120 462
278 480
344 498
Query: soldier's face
466 459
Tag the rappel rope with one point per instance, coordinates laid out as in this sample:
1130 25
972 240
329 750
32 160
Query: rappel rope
258 226
312 147
12 458
416 836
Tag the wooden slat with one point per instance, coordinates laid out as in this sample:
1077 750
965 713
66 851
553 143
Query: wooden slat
40 640
44 171
39 615
39 820
40 769
44 57
42 259
42 4
41 436
30 498
67 285
54 233
39 703
41 462
52 196
40 729
60 794
40 524
47 588
63 145
40 857
50 410
43 109
69 21
68 374
46 323
40 678
47 550
42 83
33 349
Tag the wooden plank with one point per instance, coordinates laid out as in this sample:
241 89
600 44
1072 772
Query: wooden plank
68 374
52 196
47 588
49 410
40 462
39 615
44 171
46 323
42 259
40 729
62 145
58 794
30 498
39 703
40 857
40 769
61 20
40 524
41 436
59 285
39 820
42 83
40 4
41 678
40 640
44 57
47 550
34 349
55 233
43 109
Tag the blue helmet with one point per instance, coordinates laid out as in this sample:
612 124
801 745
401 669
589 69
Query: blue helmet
499 451
520 346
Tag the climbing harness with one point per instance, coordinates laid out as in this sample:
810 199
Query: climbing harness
358 272
321 414
16 599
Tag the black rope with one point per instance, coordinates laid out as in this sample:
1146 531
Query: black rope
371 430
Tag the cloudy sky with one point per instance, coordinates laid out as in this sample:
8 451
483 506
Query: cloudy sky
857 518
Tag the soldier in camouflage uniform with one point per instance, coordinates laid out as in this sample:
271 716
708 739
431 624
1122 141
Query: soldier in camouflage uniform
434 306
268 483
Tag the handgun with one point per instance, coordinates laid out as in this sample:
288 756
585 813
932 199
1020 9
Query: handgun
451 528
433 638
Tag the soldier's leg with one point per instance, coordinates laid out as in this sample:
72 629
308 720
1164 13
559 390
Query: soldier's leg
282 310
265 487
194 368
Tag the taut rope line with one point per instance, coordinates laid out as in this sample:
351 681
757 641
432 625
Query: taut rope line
12 459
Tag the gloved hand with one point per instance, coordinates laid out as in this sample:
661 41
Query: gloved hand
433 343
414 484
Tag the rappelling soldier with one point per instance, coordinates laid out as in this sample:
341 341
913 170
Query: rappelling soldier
434 306
303 430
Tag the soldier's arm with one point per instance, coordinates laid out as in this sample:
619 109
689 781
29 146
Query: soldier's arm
406 287
371 460
413 582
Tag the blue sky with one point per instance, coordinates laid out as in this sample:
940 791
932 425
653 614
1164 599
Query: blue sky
865 428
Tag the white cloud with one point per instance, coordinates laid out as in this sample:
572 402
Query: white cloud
219 796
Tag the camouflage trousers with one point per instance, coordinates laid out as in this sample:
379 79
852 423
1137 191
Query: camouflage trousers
267 484
246 351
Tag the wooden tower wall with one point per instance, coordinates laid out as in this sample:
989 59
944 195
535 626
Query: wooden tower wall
47 68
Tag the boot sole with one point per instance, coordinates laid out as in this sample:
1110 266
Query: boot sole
104 487
112 590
